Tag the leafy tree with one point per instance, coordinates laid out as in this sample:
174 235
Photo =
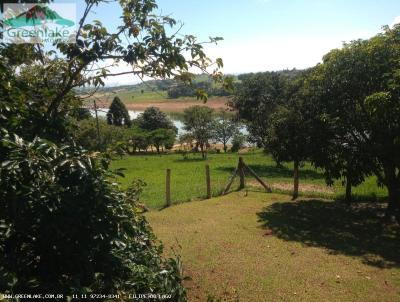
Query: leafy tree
25 97
180 90
163 138
153 118
257 98
224 129
81 114
86 135
198 121
238 142
65 228
118 114
139 139
288 140
47 76
186 139
358 89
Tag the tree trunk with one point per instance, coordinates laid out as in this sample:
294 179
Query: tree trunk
348 190
203 154
296 180
393 209
393 186
225 148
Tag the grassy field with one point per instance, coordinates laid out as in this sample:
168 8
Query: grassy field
137 100
136 96
264 247
188 176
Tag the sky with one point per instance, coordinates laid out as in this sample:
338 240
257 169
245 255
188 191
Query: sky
266 35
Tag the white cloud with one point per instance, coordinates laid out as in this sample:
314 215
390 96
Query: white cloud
265 53
395 21
262 54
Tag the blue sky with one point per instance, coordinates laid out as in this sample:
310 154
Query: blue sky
264 35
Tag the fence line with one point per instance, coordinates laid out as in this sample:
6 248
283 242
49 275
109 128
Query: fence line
240 170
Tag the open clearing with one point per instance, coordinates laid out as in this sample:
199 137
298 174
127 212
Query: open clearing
179 105
137 101
188 176
264 247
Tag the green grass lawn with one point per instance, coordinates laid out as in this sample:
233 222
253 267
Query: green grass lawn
136 96
188 176
264 247
147 96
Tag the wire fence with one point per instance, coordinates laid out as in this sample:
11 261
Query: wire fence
187 182
194 181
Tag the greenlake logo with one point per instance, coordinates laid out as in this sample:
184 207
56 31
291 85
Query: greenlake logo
39 23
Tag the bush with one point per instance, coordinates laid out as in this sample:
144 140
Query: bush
153 118
65 228
238 142
86 135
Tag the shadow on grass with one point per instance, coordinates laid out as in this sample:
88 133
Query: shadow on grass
361 198
354 230
277 172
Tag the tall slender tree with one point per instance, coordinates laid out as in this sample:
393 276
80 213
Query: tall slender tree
199 122
225 129
118 115
287 140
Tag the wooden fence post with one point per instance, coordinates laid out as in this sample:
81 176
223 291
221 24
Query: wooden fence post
228 186
168 188
241 167
268 189
241 173
208 181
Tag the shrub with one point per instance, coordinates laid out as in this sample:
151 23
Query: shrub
87 135
238 142
66 228
153 118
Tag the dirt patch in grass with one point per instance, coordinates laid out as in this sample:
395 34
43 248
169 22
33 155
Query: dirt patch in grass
288 187
264 247
303 187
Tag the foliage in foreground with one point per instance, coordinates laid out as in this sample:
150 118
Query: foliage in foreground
65 228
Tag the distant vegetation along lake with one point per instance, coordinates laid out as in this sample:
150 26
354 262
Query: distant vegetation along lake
102 112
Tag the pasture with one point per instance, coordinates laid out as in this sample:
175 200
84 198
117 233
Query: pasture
188 177
135 99
264 247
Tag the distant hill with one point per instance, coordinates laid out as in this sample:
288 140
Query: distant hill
172 89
